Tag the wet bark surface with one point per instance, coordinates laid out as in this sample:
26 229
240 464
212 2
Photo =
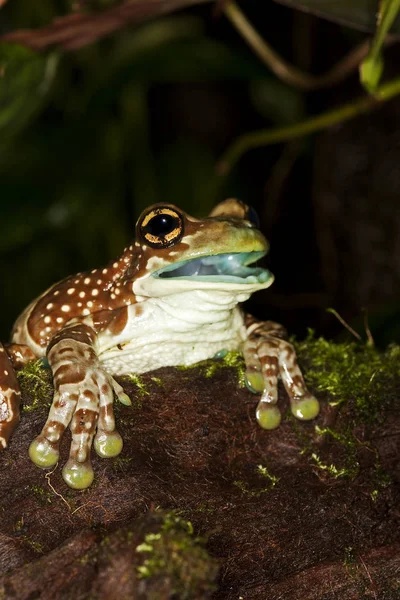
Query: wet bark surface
275 516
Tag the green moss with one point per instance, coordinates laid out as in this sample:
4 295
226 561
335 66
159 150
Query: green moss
354 374
44 496
204 508
350 561
19 528
333 470
36 383
266 475
172 552
362 383
84 560
209 367
272 479
137 380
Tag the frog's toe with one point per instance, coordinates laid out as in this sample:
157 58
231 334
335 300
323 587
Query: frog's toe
124 399
108 445
78 476
119 391
44 453
305 408
254 381
268 415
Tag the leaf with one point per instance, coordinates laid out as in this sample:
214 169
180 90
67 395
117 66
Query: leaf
371 68
25 79
359 14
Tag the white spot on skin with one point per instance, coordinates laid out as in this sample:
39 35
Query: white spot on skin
86 280
86 311
99 282
47 319
65 308
5 372
48 329
117 291
59 319
116 265
82 294
70 291
56 293
113 296
94 271
76 281
49 306
95 292
90 303
105 271
79 304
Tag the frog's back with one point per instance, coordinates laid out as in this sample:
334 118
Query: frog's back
75 297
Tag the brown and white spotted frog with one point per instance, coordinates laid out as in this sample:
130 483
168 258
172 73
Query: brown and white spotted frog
172 298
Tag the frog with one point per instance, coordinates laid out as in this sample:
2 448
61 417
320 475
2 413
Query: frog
173 297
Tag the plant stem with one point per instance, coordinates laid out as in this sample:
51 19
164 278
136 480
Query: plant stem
289 73
276 135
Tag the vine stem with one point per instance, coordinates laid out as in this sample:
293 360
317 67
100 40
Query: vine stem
276 135
289 73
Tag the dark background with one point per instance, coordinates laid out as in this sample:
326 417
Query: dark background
144 115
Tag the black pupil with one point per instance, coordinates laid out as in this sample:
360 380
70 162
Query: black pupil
161 225
253 217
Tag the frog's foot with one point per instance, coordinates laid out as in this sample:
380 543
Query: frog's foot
84 399
267 357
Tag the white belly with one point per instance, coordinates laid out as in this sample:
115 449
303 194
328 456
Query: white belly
177 331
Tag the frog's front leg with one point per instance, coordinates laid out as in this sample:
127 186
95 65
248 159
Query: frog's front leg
268 356
83 398
12 358
10 396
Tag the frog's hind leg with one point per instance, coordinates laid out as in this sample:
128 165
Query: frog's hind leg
12 357
267 357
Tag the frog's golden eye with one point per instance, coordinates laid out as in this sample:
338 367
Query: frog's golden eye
161 227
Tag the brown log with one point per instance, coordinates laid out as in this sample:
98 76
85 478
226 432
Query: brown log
191 443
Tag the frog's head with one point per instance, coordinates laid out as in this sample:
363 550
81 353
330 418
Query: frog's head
176 252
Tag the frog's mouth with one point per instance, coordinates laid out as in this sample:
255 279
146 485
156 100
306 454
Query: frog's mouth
221 268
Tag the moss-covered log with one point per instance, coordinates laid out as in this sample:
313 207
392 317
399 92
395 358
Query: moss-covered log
309 510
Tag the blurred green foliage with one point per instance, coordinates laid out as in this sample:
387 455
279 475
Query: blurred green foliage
89 138
357 13
79 153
